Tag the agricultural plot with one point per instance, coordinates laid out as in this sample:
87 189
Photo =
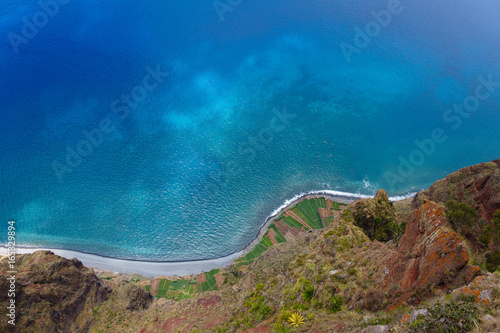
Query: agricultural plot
291 222
257 250
210 283
338 205
321 202
279 237
177 289
308 211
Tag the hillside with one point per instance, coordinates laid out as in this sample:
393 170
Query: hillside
429 264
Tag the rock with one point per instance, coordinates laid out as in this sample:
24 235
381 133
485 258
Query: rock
377 329
466 275
137 298
335 271
429 253
478 185
53 294
481 288
377 216
421 312
488 318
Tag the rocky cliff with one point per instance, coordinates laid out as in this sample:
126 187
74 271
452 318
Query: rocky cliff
477 185
53 294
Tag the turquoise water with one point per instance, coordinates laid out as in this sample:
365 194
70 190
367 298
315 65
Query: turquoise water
229 117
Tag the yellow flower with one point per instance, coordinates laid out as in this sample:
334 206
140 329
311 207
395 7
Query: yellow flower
295 319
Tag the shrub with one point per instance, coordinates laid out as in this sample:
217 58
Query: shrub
283 316
265 311
280 328
456 316
399 231
336 303
352 271
496 223
460 214
485 238
308 293
492 261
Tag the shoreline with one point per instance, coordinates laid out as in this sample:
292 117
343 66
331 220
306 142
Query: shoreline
153 269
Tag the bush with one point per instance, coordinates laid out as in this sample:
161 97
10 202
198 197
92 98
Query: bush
336 303
280 328
308 293
352 271
265 311
496 223
485 238
456 316
492 261
399 231
377 217
460 214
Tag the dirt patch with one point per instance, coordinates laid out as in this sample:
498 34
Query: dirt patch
201 278
272 234
210 301
173 323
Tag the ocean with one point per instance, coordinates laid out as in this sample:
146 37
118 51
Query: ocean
170 131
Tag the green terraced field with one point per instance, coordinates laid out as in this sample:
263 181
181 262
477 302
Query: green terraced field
291 222
308 211
179 285
256 251
321 202
279 237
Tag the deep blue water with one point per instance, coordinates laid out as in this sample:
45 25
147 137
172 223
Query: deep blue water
192 169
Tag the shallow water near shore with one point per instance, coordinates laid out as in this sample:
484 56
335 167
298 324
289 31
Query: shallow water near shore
231 118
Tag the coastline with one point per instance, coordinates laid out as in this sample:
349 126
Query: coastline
153 269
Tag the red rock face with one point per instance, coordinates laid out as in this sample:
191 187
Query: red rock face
429 253
478 183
